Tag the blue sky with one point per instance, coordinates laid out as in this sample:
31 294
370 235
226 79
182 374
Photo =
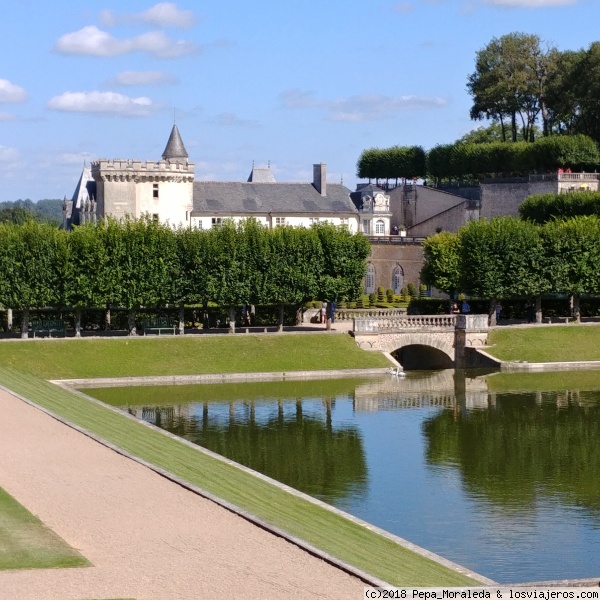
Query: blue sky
289 82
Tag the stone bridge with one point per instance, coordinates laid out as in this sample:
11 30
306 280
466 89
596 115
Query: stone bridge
425 341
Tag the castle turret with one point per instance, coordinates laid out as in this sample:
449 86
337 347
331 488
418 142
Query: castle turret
175 150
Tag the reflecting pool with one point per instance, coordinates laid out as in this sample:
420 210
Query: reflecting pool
498 473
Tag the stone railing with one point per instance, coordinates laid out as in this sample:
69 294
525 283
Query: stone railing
405 323
347 314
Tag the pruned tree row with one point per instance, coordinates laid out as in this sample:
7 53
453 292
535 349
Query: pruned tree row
510 258
135 264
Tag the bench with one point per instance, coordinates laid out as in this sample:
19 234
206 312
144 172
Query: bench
49 326
158 324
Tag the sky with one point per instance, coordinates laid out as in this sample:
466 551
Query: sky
281 83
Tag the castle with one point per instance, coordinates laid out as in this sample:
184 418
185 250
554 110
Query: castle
395 218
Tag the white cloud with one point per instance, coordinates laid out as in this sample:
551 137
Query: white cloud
5 116
529 3
362 107
8 154
163 14
102 103
127 78
92 41
229 119
166 14
11 93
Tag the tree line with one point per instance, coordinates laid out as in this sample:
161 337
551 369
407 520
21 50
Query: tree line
472 161
520 81
530 92
553 251
140 263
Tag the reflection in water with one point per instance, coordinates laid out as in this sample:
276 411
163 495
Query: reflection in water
523 446
302 450
505 483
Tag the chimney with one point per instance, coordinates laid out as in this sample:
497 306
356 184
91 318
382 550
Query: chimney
320 178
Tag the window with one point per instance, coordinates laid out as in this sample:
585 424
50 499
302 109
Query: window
279 221
155 190
379 227
313 220
216 221
155 217
370 279
367 226
344 222
397 279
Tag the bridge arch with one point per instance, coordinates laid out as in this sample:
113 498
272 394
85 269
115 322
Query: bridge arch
440 341
420 357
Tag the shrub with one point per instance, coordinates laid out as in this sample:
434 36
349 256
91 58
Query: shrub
412 290
372 299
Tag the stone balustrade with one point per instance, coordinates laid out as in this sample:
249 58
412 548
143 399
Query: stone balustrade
348 314
390 324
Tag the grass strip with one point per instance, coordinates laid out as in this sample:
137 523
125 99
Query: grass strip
326 530
223 392
26 543
190 355
547 381
545 344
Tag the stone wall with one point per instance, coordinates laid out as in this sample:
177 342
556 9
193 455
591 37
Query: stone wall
386 257
504 198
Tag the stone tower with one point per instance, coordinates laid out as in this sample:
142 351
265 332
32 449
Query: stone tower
163 190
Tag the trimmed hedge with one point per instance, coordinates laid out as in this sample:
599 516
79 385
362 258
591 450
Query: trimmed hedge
542 208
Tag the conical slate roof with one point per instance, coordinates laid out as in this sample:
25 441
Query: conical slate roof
175 149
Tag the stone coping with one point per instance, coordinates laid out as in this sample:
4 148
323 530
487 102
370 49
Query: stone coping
579 365
220 378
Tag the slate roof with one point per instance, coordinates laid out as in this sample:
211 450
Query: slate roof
175 148
368 189
261 175
248 198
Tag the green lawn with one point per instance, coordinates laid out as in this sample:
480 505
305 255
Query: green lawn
544 382
122 357
249 391
26 543
324 529
545 343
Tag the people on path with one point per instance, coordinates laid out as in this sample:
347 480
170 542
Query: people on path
465 308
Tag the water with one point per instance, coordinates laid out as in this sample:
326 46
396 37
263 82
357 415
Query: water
506 483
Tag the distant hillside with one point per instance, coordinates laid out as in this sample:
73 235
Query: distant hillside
49 211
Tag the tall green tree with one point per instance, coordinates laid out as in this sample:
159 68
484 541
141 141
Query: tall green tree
572 255
87 281
441 262
509 82
294 262
343 267
502 258
145 260
33 259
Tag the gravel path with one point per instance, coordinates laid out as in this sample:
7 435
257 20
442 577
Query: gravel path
146 536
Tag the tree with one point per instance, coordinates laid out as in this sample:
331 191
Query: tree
441 262
33 258
343 267
294 262
143 259
509 82
89 280
502 258
542 208
230 275
572 254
